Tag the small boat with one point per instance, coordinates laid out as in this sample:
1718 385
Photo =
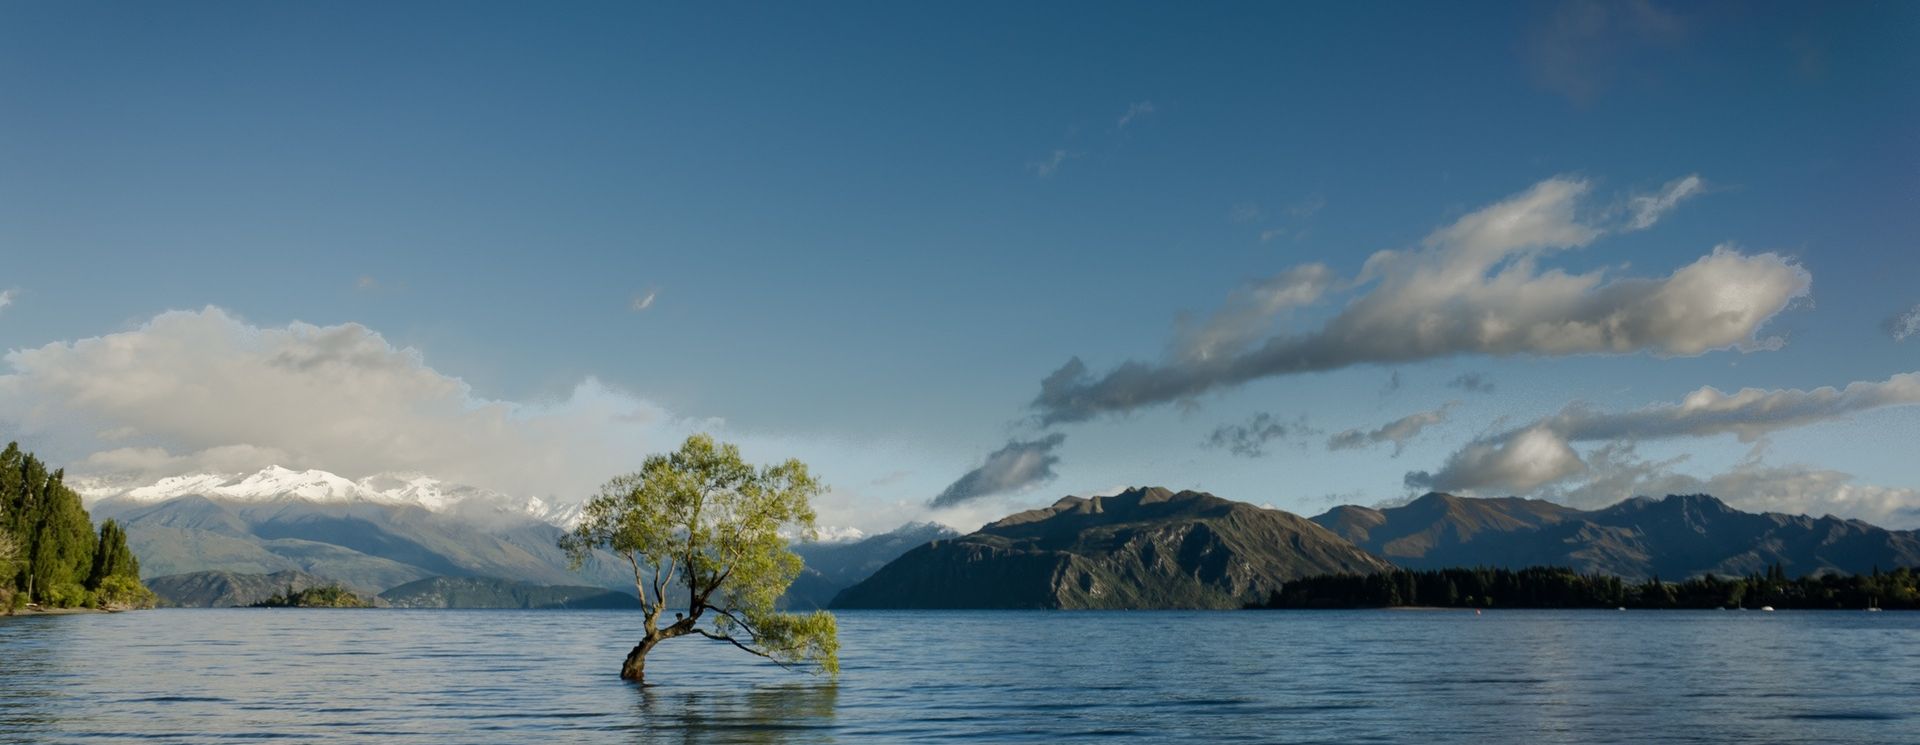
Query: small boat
1621 608
1767 608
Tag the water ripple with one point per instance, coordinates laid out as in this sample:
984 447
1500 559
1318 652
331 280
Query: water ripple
427 677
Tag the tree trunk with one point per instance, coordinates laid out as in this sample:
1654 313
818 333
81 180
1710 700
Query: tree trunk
635 668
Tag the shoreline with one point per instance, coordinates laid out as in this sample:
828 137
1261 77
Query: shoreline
63 611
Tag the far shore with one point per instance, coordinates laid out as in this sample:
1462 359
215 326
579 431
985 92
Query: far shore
35 611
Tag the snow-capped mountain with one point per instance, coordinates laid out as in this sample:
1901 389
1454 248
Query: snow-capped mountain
277 484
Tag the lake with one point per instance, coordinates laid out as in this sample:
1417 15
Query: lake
434 676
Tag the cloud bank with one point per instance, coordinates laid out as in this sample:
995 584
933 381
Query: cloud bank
205 391
1018 466
1473 287
1541 453
1616 472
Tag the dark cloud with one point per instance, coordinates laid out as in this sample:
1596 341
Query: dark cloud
1472 383
1249 439
1399 431
1018 466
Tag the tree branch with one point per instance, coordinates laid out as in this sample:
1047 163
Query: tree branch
736 642
638 582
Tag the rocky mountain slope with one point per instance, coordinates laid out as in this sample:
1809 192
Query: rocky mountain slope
1141 548
487 592
229 589
1675 537
832 566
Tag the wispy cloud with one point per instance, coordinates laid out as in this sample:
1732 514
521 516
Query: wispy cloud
1646 209
1051 164
1306 208
6 298
1134 111
366 282
1472 383
1020 465
1577 47
644 300
1899 325
1475 286
1249 439
1399 431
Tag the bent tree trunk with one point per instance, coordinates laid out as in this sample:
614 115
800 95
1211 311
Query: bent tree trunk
635 668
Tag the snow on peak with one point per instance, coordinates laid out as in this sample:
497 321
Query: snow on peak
276 483
838 534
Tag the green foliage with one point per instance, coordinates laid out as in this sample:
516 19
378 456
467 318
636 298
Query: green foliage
67 595
703 520
122 591
1555 587
111 557
53 545
328 596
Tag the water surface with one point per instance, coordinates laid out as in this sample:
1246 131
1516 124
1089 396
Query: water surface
431 676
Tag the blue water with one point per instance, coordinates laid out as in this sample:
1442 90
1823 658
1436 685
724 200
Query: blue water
1367 676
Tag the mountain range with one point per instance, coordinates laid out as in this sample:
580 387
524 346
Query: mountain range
1141 548
1675 537
212 538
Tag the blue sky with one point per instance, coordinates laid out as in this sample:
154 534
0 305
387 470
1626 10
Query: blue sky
871 230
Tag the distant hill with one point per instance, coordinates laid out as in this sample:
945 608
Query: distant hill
1676 537
1142 548
366 543
486 592
832 567
229 589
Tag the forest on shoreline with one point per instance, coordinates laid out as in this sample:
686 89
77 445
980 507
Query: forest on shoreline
1558 587
50 554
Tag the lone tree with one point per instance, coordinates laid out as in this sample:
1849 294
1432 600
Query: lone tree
706 521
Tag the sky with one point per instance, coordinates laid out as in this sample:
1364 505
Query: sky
966 260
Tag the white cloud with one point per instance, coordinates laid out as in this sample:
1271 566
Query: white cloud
6 298
1520 462
1017 467
644 300
1900 326
1047 166
1615 472
1399 431
1540 454
1134 111
1473 287
1646 209
204 391
1249 313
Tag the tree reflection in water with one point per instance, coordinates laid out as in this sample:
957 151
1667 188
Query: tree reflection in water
761 714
